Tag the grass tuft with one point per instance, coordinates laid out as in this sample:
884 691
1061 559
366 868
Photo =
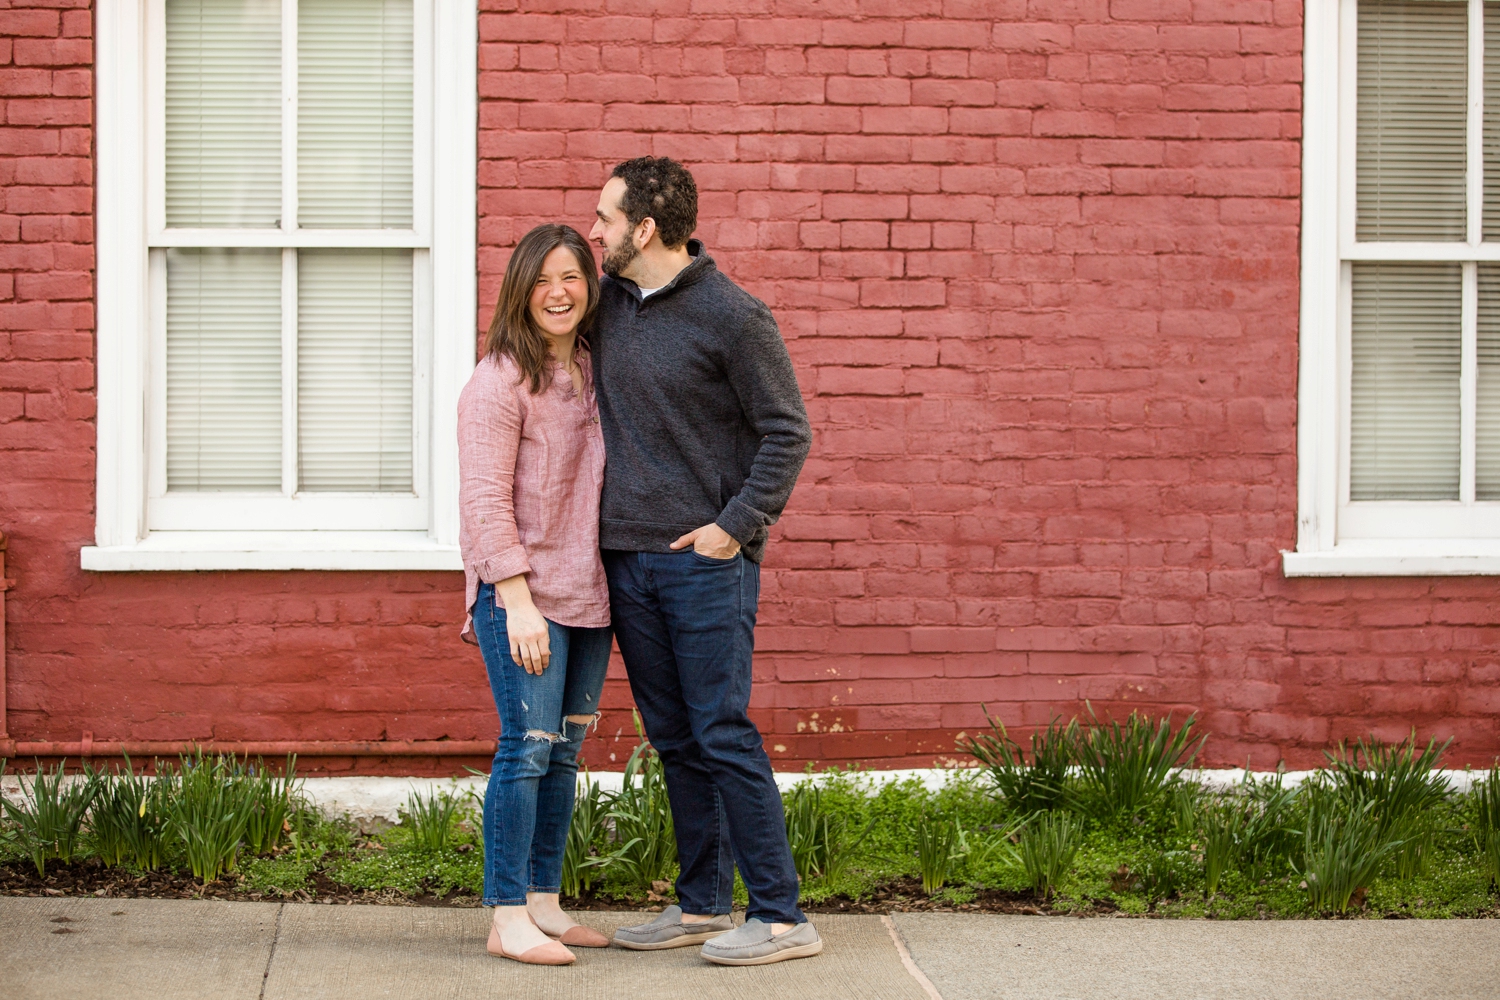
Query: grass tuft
1126 767
1048 844
1026 787
47 823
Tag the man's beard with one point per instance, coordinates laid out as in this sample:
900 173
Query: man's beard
617 259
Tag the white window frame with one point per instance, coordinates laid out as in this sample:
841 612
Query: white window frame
416 532
1336 536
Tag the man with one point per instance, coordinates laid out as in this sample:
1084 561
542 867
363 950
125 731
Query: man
704 433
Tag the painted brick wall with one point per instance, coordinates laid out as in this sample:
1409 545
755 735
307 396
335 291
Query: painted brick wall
1037 265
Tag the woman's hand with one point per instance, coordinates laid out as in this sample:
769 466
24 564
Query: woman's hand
524 626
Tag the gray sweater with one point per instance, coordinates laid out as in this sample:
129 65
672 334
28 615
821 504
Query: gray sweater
703 421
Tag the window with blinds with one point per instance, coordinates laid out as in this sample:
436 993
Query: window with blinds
288 251
1421 254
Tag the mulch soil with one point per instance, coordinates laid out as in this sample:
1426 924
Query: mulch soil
92 878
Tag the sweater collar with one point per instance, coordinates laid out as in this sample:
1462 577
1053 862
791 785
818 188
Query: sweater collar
701 266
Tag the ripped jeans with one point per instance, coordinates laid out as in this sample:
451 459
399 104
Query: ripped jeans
529 802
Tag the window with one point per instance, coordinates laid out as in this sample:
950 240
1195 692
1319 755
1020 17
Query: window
286 250
1399 394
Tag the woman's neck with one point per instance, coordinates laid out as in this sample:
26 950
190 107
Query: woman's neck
563 347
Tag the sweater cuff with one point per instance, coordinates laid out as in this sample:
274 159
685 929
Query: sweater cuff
504 566
741 521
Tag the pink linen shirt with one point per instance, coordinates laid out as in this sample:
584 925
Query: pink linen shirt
530 472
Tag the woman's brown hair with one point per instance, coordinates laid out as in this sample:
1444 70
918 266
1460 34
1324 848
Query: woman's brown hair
512 331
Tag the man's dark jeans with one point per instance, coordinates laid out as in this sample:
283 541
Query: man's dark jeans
686 627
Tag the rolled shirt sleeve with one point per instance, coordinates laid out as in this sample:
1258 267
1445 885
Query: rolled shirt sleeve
490 415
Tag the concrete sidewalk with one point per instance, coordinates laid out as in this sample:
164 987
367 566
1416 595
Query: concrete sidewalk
139 949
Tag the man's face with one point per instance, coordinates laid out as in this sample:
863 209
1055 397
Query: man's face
613 231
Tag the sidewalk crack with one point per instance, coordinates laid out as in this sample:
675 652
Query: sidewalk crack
265 976
911 966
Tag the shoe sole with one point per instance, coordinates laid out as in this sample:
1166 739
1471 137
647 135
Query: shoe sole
800 951
681 941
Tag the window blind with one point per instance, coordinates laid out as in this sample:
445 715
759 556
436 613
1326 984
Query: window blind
223 370
1491 121
354 370
1411 113
223 113
1404 391
1487 415
354 118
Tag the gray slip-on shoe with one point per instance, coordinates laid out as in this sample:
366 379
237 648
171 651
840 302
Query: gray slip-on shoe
752 943
668 931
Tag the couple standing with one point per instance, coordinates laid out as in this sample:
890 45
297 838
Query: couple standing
680 378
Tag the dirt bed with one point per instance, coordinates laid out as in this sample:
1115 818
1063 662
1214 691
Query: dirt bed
90 878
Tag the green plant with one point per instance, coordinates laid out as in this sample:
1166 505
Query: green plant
586 833
46 825
209 814
271 800
1484 804
980 852
1221 828
1403 787
430 819
130 821
1268 838
275 876
1026 787
1048 844
645 843
1165 873
1244 829
1397 779
937 850
1124 767
822 841
1343 847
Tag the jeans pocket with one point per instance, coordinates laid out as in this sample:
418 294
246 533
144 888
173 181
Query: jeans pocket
710 560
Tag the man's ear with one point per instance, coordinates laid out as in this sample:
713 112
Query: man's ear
644 232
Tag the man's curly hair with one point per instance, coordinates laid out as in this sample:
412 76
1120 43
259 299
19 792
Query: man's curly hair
662 189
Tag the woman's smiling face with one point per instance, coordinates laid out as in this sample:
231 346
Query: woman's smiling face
561 294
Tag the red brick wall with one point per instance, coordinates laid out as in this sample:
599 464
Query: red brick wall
1037 265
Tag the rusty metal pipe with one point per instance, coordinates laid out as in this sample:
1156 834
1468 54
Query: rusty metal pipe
4 586
251 748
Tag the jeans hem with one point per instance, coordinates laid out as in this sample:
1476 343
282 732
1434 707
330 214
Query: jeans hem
707 911
545 888
771 918
502 902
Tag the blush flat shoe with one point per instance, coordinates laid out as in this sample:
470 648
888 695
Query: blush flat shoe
579 936
551 953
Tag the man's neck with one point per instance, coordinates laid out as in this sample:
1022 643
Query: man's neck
657 266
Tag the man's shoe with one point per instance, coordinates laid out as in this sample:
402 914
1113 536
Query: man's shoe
668 931
752 943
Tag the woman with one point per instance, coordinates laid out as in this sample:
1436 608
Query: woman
531 461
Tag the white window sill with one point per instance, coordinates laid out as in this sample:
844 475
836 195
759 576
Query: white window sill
1416 557
273 550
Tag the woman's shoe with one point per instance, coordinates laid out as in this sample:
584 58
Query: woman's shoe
579 936
551 953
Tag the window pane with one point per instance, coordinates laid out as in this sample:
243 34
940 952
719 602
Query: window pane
223 370
1404 393
354 116
354 370
1487 443
1412 97
223 115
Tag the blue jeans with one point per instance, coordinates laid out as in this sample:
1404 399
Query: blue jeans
686 627
529 802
